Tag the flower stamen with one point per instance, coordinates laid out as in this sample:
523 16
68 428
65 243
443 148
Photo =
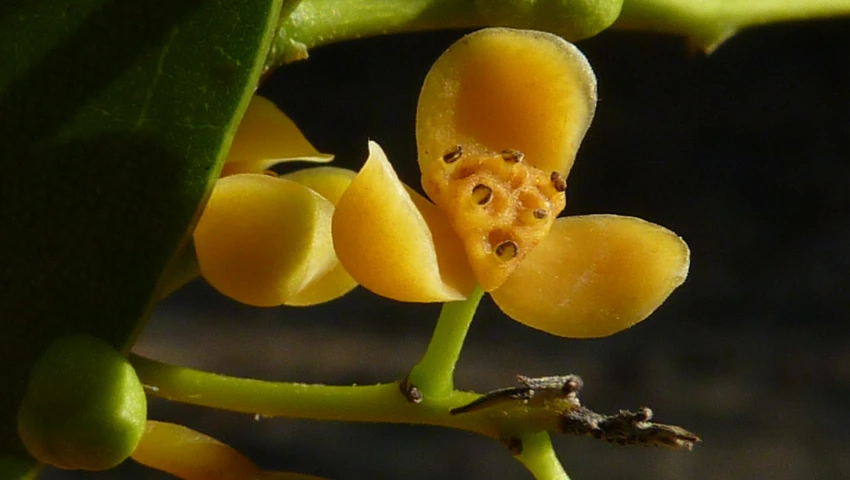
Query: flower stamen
521 203
453 154
506 250
559 182
512 156
482 194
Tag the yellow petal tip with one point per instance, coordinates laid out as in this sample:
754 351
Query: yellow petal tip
265 137
595 275
499 89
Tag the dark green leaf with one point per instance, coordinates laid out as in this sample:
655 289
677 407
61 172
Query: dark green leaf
114 118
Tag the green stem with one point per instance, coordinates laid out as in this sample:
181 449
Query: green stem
372 403
708 23
539 458
320 22
312 23
434 374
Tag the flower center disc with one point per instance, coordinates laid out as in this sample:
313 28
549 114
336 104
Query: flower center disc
499 206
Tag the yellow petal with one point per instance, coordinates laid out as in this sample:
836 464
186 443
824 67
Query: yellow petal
190 455
500 88
266 136
595 275
396 243
502 112
329 182
261 240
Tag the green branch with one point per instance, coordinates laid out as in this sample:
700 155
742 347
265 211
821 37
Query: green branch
706 23
383 403
321 22
376 403
372 403
709 23
315 23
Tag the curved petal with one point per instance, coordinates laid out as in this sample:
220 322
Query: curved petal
394 242
499 121
190 455
266 136
501 88
262 239
595 275
329 182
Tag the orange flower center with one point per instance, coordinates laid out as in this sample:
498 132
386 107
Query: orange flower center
500 206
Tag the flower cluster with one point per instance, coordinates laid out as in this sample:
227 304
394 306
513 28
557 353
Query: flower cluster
264 239
499 122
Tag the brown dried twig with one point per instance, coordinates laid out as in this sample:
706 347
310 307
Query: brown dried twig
558 395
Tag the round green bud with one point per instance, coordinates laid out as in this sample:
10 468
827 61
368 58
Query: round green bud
570 19
84 407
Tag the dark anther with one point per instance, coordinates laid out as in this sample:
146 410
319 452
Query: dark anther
410 392
453 155
558 182
539 213
512 156
514 445
482 194
507 250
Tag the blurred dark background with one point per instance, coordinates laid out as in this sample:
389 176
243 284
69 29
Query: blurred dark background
745 153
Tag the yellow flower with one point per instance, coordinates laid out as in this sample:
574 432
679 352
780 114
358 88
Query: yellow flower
500 119
266 240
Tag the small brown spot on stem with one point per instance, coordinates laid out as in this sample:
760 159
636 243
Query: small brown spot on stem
410 392
558 182
507 250
482 194
453 155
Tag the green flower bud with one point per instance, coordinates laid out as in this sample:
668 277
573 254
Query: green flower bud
570 19
84 407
